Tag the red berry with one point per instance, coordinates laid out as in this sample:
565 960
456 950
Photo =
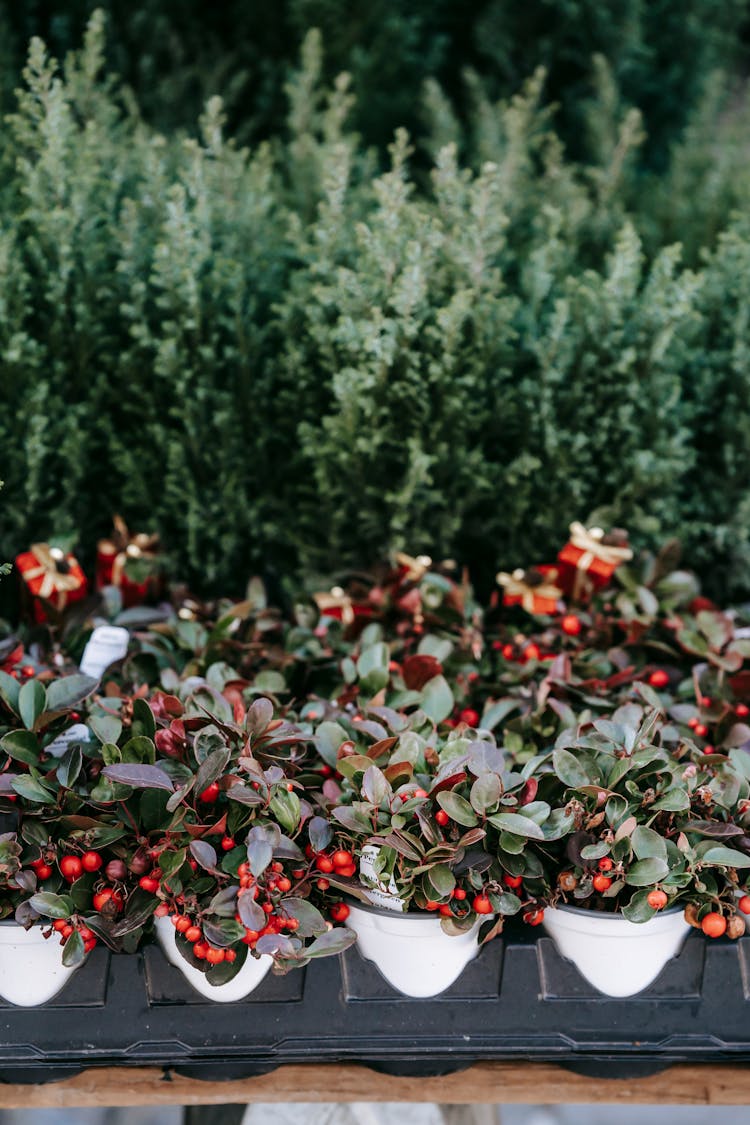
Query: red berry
709 749
71 867
230 955
482 905
162 910
200 950
27 670
59 924
742 711
107 896
227 843
342 858
91 861
323 884
324 864
657 899
210 793
445 910
470 716
705 701
571 624
148 883
419 793
508 652
43 871
701 730
442 817
601 883
181 923
605 863
430 905
714 924
512 880
531 652
459 894
744 904
693 722
340 912
533 917
193 934
659 678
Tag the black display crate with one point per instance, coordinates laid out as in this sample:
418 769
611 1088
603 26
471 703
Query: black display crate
518 1000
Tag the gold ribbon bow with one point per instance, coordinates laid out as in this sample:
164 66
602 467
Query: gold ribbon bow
335 599
515 587
415 568
590 542
54 581
125 546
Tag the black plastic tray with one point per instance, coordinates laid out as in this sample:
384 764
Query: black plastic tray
518 1000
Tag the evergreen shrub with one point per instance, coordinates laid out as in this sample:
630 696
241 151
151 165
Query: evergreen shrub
290 357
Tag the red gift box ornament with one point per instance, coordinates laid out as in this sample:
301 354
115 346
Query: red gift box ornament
335 604
534 590
112 559
51 576
590 559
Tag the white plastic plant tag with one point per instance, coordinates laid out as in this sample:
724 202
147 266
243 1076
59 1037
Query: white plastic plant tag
379 894
79 732
106 644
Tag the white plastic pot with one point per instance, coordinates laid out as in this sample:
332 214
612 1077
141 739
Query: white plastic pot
618 957
31 968
240 986
107 644
412 951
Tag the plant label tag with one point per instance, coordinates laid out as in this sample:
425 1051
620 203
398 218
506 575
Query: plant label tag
106 644
379 894
79 732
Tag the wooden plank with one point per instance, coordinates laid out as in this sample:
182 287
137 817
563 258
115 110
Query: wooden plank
701 1084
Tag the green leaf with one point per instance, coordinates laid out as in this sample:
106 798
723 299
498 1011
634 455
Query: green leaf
139 749
648 844
212 769
31 702
328 738
372 667
494 713
52 906
107 728
70 767
143 722
437 699
647 872
69 691
33 791
569 770
457 808
442 879
485 792
638 909
74 951
285 807
518 825
22 746
725 857
9 691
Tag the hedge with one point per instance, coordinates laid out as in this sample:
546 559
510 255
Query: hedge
286 358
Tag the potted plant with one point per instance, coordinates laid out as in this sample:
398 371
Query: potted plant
215 816
651 840
402 835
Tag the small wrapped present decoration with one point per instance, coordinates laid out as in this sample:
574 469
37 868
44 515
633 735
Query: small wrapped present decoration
51 576
339 605
587 562
132 563
535 590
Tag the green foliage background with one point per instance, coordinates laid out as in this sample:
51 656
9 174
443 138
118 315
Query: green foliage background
335 335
